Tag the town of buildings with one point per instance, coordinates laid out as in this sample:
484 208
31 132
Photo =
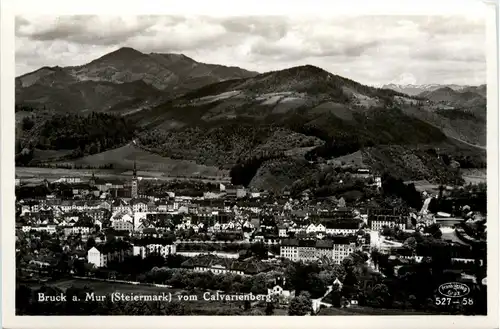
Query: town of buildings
295 229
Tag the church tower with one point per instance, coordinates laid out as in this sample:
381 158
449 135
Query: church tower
92 180
134 182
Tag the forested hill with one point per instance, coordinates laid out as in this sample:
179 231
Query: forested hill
80 134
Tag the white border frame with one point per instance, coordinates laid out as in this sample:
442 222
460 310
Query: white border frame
238 8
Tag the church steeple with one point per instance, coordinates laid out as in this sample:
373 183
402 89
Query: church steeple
134 188
92 180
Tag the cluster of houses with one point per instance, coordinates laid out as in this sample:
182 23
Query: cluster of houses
331 233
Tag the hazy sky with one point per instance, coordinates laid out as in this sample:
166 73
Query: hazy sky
370 49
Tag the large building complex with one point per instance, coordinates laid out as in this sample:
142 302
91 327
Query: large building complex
336 248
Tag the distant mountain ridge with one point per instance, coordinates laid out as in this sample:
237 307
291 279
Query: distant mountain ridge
466 97
272 124
414 89
166 74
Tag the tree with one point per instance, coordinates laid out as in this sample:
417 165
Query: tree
259 250
335 296
441 190
359 258
381 295
269 308
412 300
317 286
259 285
300 305
256 312
90 243
27 123
247 305
396 187
227 283
387 231
411 243
350 286
375 257
89 268
348 263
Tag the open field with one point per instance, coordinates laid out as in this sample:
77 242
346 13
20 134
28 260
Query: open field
123 158
36 175
474 176
352 159
425 186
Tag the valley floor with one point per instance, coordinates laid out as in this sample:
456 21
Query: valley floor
37 175
150 165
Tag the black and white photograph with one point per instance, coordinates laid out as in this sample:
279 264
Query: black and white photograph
251 165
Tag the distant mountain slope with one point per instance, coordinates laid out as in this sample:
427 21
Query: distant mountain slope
481 90
306 78
461 99
78 96
231 120
462 125
414 90
163 71
460 112
123 79
278 96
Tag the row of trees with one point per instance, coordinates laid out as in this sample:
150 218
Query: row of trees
71 166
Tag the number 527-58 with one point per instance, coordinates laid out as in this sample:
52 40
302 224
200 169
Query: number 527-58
446 301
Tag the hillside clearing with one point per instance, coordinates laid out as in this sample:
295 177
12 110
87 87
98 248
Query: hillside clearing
352 159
